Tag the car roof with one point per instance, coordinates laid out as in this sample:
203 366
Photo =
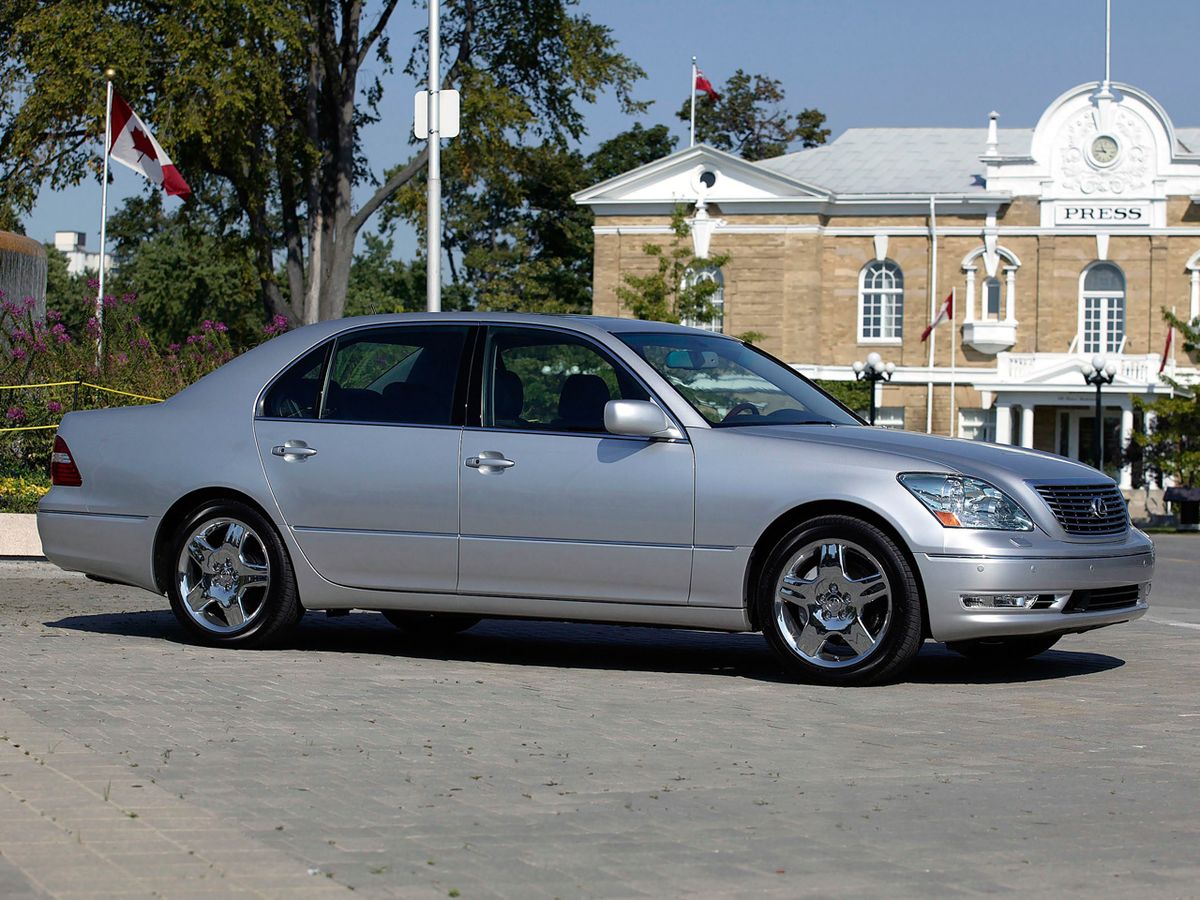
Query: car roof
610 324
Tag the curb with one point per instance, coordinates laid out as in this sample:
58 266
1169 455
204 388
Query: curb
19 536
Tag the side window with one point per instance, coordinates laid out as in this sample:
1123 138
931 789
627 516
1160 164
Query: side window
403 375
549 381
296 393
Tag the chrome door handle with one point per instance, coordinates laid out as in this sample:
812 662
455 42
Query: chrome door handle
490 461
294 451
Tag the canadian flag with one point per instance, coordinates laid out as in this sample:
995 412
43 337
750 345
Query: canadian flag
134 146
946 312
1167 348
703 84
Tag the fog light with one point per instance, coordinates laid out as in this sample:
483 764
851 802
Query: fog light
999 601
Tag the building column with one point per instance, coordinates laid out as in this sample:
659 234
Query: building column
1027 426
1010 294
1195 304
1003 423
970 314
1126 434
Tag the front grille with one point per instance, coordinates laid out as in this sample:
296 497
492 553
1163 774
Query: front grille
1100 599
1086 509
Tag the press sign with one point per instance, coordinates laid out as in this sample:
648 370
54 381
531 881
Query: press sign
1102 214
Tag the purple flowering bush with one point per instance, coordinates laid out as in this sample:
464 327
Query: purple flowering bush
47 352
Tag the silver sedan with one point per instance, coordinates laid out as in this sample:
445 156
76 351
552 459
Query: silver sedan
445 468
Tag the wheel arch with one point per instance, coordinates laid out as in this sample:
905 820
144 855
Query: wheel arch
797 516
180 510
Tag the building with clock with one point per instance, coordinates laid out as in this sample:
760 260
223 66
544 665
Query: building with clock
1059 243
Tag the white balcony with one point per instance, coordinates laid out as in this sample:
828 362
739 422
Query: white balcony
1059 371
989 336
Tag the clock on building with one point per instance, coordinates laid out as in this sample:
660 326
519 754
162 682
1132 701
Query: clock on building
1104 150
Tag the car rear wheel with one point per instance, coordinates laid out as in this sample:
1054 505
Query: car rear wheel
1003 650
839 603
233 584
430 624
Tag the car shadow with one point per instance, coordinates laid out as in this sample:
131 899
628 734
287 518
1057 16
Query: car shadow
569 645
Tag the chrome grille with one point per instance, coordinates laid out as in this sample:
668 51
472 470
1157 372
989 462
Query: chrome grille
1076 506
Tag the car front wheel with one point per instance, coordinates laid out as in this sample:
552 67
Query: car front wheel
233 583
839 603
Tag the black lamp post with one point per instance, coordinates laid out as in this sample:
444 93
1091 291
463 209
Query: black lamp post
1098 372
872 371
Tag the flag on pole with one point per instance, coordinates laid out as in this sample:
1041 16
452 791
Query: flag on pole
946 312
132 145
703 84
1167 348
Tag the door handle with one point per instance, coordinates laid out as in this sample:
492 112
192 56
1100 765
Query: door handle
293 451
489 461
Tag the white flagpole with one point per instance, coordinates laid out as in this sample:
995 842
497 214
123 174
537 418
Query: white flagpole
692 94
433 216
933 311
108 74
953 356
1107 44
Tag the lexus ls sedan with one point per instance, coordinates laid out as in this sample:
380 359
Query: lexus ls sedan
445 468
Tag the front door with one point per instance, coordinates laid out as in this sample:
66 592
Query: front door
552 504
360 445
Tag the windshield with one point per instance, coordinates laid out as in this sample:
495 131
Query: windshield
731 383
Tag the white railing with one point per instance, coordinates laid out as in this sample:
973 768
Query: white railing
1024 367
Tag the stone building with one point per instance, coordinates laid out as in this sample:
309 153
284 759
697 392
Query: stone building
1059 243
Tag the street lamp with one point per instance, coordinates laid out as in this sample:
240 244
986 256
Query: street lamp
872 371
1098 372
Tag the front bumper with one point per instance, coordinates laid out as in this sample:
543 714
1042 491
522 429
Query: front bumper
947 578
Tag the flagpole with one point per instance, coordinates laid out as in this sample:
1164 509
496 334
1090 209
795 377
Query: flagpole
692 94
953 356
932 310
108 74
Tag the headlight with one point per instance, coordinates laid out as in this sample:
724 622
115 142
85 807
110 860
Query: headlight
959 502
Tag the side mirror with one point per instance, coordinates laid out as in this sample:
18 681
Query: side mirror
638 418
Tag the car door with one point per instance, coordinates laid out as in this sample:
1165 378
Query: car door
552 504
360 442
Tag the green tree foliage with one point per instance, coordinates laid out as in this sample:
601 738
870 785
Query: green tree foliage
1171 448
749 119
62 288
666 294
261 104
380 283
184 268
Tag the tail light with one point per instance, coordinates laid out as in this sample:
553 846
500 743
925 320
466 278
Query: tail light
63 470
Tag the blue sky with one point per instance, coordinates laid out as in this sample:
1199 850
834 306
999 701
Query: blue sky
862 62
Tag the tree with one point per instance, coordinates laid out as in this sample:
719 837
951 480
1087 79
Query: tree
261 103
666 294
380 283
748 119
184 268
1171 447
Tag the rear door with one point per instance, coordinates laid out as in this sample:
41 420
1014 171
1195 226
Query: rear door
360 444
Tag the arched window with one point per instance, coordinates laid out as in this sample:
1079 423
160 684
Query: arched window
1102 308
712 274
880 302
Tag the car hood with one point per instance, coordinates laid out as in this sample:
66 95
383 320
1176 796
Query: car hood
914 452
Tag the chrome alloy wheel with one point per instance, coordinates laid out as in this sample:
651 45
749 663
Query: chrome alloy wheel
223 575
833 604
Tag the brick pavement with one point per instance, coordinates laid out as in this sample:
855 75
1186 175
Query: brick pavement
544 760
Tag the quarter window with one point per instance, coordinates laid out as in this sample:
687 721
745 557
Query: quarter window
1102 309
881 302
403 375
548 381
296 393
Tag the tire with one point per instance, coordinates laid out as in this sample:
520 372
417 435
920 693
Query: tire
839 603
232 582
1004 650
428 624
